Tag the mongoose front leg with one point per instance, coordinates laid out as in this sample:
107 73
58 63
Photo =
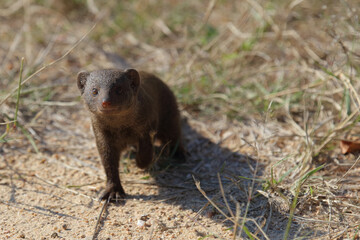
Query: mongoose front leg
145 152
110 156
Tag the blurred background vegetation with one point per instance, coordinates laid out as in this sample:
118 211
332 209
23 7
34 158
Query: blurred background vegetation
222 57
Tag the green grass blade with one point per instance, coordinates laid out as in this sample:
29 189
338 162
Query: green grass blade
287 173
247 232
308 174
2 137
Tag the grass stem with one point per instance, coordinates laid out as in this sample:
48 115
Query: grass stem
18 92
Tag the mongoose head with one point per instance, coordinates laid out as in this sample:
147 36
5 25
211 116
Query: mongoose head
109 91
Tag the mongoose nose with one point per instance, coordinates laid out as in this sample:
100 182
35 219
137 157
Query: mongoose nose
106 104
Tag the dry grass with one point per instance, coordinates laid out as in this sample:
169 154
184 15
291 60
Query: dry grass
276 81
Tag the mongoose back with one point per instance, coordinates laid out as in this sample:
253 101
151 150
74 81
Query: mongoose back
128 107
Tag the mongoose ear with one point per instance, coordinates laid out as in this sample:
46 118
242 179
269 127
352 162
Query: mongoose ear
134 76
81 80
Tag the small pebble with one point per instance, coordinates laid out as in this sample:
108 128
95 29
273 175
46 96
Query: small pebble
140 223
54 235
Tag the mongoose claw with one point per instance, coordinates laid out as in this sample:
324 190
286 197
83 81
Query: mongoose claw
113 194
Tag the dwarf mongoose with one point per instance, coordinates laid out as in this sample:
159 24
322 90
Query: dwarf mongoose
128 107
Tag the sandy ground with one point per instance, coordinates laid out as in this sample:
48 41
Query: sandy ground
54 194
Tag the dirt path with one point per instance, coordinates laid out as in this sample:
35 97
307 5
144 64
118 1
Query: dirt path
54 193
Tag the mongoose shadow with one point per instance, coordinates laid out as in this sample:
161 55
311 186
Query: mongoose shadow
206 162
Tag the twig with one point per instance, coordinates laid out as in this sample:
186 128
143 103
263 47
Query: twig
236 219
224 197
104 207
6 123
53 103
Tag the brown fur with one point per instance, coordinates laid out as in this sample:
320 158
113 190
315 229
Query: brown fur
126 107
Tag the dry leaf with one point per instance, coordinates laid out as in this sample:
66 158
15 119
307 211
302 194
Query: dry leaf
349 146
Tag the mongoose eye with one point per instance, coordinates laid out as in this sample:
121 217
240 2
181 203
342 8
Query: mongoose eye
119 90
95 91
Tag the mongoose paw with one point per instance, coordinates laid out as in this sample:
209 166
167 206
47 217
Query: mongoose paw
113 194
